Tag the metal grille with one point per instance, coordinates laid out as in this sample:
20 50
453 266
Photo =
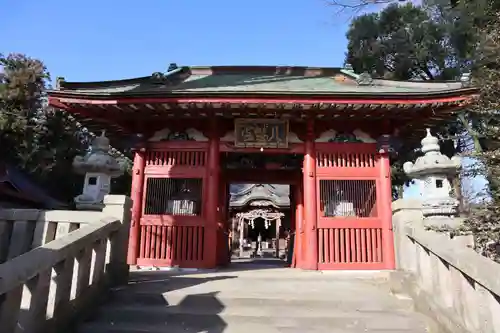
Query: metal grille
171 158
173 196
348 198
345 160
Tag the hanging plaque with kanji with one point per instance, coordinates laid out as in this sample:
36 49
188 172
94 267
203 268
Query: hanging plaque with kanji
261 133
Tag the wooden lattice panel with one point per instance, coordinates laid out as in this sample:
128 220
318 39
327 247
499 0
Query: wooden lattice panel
343 247
345 160
172 245
176 158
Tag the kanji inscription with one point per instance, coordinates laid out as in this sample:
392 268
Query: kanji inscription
261 133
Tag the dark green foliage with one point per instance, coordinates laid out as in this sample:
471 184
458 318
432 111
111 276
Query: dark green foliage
401 42
484 223
440 41
408 42
37 139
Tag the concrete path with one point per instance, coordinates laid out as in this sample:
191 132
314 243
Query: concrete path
260 298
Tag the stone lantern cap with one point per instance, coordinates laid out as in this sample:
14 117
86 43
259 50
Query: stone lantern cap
432 162
98 160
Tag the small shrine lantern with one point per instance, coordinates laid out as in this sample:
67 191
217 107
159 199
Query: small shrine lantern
433 171
99 167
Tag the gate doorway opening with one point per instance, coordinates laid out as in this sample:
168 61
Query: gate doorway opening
261 224
261 206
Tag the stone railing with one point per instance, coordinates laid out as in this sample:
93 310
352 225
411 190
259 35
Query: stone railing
24 229
448 281
61 265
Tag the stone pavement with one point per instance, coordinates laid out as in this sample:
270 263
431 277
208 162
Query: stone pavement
262 297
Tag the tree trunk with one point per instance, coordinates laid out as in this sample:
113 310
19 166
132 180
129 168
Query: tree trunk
457 189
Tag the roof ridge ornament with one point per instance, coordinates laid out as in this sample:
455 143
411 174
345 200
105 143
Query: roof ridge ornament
349 71
172 67
348 67
160 76
364 79
59 82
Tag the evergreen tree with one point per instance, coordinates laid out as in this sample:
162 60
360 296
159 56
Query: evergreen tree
34 137
408 42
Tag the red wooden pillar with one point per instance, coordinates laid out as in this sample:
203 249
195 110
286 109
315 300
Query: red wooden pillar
298 252
386 211
212 198
136 194
310 199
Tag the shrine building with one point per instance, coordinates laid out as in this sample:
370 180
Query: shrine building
327 133
259 210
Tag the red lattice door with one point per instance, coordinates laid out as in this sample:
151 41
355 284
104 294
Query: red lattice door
351 230
172 226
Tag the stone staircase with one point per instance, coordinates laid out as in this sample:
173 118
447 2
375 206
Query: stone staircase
250 298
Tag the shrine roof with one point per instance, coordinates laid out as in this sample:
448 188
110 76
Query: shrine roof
215 80
291 92
258 194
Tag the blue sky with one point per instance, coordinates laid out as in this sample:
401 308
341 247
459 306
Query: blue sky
105 40
99 40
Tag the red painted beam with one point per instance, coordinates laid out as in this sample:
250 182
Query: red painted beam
107 118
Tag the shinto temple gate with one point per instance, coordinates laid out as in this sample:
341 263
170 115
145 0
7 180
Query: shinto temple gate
327 132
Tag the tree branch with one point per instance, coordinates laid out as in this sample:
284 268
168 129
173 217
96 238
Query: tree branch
357 5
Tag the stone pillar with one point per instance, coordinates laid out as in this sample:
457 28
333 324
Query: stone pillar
212 198
137 197
405 212
310 199
386 210
119 207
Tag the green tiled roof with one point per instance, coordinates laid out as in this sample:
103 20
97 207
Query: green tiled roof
247 81
283 83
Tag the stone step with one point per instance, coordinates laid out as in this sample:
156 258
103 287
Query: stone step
261 286
264 301
224 328
216 319
270 273
218 300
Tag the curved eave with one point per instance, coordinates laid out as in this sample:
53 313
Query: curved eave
249 201
166 78
128 97
252 101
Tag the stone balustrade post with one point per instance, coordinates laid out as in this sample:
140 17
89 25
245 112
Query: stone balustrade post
119 207
405 212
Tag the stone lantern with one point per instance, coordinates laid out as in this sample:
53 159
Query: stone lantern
99 167
433 171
